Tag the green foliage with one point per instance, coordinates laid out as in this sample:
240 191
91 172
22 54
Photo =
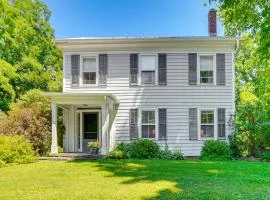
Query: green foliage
2 164
215 150
169 155
234 146
15 149
250 19
116 154
266 155
30 117
7 93
94 144
252 124
143 149
29 58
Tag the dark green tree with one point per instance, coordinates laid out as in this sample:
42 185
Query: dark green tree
26 44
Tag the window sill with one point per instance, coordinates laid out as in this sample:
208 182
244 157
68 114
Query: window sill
88 86
206 138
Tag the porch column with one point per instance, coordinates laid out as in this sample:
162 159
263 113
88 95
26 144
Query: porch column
54 146
105 126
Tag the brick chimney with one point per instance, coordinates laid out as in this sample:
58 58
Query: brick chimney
212 23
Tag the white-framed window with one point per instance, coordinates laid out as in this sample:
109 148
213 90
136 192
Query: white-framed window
89 70
207 69
148 66
148 125
207 123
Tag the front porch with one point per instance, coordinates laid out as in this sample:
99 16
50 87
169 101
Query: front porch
86 117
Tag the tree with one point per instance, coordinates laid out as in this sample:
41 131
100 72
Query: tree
250 19
26 45
7 93
252 124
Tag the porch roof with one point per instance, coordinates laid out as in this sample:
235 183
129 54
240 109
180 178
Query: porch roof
79 98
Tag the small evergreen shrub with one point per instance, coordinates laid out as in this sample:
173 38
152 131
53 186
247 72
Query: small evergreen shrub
116 154
236 153
15 149
216 150
143 149
121 151
266 155
169 155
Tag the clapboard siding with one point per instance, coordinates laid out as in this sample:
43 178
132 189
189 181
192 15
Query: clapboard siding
177 96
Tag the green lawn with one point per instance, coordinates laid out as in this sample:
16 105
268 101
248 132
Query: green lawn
147 179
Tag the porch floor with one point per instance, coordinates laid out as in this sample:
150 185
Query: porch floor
71 156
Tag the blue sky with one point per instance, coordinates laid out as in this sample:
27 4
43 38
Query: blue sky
105 18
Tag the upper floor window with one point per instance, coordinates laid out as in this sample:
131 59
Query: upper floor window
206 69
148 69
89 70
207 123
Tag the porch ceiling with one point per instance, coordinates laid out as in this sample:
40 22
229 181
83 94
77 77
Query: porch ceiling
80 98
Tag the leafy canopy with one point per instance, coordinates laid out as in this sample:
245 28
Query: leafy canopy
28 57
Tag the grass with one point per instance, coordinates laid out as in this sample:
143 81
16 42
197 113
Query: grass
142 179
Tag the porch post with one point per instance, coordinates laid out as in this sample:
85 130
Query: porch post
105 126
54 146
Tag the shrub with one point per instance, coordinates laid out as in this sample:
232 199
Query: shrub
30 117
121 151
169 155
2 163
15 149
235 149
116 154
215 150
266 155
143 149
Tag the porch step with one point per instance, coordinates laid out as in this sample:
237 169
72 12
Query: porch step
70 156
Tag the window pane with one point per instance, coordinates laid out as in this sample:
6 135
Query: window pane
148 63
89 78
89 64
148 77
207 117
144 117
206 63
152 131
151 117
144 131
207 130
206 76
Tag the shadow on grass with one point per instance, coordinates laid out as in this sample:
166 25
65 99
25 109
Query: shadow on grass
163 179
156 177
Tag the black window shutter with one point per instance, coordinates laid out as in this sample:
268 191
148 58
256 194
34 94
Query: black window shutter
220 57
221 123
192 68
193 123
133 123
75 69
162 69
134 69
103 69
162 120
